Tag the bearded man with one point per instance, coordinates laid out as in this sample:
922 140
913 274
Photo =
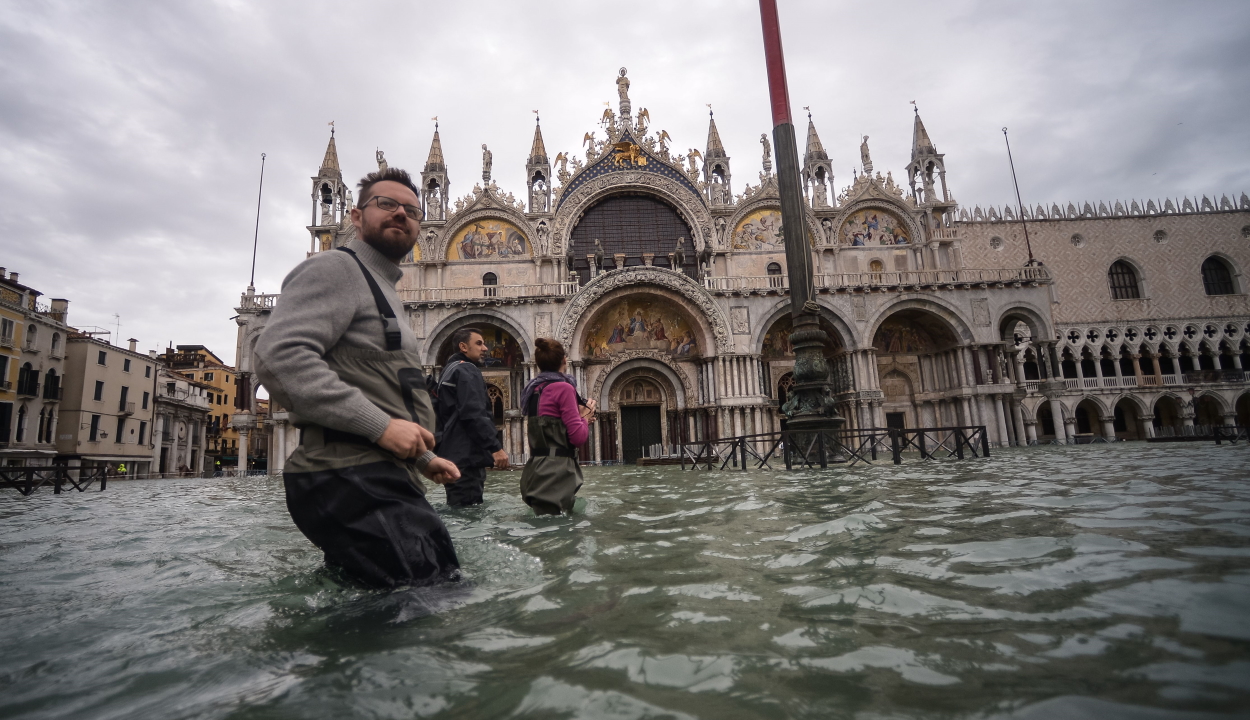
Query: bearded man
338 355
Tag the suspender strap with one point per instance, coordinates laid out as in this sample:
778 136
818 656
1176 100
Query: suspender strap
390 325
558 452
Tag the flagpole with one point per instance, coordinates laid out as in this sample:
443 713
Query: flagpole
1019 203
810 404
251 283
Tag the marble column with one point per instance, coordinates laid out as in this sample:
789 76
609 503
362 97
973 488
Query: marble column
1030 431
1056 414
1001 423
1108 426
1017 417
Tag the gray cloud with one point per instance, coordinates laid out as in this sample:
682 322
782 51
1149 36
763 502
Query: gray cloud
130 134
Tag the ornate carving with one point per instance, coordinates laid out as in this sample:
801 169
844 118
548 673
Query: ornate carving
631 355
575 311
484 203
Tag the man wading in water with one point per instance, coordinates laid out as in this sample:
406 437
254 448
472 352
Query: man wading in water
335 353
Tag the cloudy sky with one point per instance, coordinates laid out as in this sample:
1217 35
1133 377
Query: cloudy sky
131 133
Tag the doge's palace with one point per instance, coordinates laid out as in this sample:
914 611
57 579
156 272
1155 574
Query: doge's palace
667 284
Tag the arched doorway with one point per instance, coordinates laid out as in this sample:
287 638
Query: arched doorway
913 345
642 228
1088 421
1045 423
1167 420
641 417
1127 420
504 372
777 359
1208 412
1243 410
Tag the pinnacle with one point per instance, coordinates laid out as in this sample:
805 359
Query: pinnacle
538 151
815 150
714 146
920 142
434 163
330 164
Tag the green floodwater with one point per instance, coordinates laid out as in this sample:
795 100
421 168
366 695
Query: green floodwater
1091 581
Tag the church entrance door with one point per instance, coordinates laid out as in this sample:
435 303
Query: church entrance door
640 427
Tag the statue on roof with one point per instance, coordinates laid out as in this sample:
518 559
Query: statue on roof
622 86
381 157
864 157
768 153
487 160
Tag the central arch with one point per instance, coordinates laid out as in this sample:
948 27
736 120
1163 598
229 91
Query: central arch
641 227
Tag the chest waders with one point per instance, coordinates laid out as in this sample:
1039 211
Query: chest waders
362 505
552 476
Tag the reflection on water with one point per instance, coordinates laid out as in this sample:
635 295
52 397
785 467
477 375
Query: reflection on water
1105 581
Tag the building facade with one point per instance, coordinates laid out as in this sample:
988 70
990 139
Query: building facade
107 406
666 282
202 365
180 423
32 372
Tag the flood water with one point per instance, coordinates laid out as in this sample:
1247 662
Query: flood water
1090 581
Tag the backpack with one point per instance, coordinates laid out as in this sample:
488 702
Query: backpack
433 386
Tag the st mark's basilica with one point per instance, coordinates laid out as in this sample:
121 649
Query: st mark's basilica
666 281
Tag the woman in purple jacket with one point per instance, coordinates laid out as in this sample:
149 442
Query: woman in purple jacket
557 424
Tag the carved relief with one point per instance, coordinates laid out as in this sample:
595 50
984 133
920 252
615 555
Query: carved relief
739 320
661 358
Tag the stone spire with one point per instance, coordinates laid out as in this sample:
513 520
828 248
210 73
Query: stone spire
538 151
927 169
434 181
815 151
920 142
716 166
817 172
434 163
714 147
538 175
330 164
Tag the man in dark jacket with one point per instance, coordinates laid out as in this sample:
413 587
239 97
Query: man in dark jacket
465 421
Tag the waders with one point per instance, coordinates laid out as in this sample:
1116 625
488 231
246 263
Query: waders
552 476
361 504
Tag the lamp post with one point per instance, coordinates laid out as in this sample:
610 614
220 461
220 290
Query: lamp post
809 406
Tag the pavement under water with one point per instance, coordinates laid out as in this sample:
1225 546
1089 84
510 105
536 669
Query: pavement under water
1108 581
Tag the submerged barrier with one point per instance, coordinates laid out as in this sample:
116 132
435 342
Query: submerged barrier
26 480
808 449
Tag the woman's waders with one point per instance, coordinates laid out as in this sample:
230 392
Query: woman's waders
552 476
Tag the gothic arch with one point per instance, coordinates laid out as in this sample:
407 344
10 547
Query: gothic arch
471 317
850 339
576 312
625 362
689 205
1143 408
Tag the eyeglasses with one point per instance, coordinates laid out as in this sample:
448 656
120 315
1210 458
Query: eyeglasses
414 212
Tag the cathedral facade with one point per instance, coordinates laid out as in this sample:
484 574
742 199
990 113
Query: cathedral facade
666 282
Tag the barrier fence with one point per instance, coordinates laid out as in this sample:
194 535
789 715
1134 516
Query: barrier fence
808 449
26 480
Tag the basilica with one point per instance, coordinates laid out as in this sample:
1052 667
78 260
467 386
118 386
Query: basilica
666 280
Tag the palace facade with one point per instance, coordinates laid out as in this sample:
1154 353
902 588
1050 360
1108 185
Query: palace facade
666 281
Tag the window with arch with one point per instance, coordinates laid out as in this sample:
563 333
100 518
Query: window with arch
1123 281
32 334
490 281
1217 279
56 343
876 266
775 278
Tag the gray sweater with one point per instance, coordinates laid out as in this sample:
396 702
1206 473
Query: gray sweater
326 303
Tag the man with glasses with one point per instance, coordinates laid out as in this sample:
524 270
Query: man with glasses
338 353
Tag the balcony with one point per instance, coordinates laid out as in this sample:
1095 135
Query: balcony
126 408
258 302
1215 376
6 386
491 293
29 389
52 393
7 342
902 280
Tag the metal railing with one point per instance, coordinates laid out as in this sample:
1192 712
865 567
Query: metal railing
126 408
897 278
821 449
26 480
